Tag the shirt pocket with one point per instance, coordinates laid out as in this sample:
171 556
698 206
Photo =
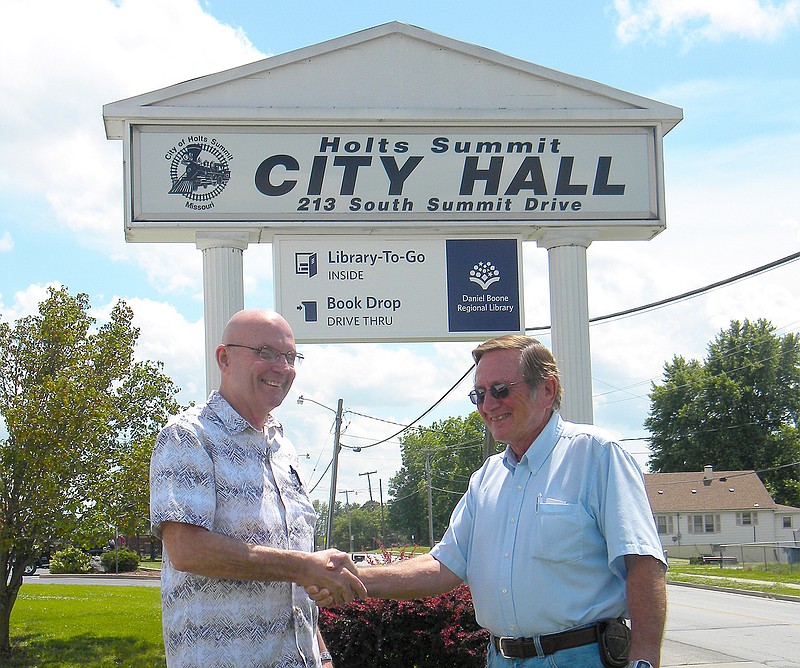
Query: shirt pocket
559 532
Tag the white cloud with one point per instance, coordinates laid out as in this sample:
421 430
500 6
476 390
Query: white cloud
166 335
26 302
97 51
170 268
6 242
713 20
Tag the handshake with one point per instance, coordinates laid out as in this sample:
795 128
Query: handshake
332 579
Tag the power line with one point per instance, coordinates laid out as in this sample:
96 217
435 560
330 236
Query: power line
448 491
371 417
600 319
728 372
698 291
413 422
725 478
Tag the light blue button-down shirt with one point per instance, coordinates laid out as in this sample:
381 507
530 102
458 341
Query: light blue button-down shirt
541 541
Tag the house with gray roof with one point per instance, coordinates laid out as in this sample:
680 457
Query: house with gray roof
721 512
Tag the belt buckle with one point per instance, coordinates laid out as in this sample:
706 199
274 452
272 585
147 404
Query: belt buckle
500 647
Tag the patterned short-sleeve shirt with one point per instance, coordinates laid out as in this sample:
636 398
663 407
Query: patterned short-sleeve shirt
212 469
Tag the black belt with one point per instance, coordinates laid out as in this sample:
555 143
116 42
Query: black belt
524 648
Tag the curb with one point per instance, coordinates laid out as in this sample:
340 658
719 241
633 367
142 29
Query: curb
92 576
731 590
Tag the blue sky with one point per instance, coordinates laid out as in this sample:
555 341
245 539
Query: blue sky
732 183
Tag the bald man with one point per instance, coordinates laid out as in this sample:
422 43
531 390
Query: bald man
228 501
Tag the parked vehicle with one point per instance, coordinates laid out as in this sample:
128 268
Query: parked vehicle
43 561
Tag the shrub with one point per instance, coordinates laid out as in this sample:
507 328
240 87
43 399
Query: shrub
428 633
122 560
70 560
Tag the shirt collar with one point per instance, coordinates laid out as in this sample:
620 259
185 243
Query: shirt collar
536 455
234 422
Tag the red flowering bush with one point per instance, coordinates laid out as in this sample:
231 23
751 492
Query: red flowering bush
428 633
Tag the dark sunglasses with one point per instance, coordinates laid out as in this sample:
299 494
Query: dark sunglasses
498 391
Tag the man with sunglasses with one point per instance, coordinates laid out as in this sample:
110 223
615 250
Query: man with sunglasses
554 536
228 501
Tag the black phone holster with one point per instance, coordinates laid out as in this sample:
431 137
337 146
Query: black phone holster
614 641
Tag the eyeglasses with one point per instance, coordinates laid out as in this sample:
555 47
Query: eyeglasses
498 391
269 354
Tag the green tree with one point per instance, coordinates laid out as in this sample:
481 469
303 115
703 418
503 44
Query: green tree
321 528
80 416
453 450
737 410
145 402
364 521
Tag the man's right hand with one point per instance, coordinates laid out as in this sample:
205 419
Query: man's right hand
334 571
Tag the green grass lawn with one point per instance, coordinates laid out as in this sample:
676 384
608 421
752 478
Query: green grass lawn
775 573
749 577
66 626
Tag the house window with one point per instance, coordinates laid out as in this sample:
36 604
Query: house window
664 524
787 522
704 524
746 518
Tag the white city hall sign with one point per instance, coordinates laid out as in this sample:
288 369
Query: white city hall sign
269 174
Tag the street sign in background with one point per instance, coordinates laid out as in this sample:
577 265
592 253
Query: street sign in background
374 288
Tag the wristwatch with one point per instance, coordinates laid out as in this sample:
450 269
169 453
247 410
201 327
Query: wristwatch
640 663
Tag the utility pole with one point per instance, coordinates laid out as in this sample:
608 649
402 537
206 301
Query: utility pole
346 493
383 523
334 471
369 482
430 496
371 509
488 443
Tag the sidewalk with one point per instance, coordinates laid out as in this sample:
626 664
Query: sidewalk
759 582
136 575
742 664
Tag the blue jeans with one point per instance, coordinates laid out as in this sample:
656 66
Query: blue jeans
587 656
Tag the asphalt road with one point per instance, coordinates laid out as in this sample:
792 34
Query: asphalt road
721 629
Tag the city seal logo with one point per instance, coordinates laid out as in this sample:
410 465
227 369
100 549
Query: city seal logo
199 171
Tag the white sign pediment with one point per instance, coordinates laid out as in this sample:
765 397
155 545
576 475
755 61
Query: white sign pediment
399 70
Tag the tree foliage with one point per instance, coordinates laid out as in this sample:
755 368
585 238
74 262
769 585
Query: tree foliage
736 410
80 416
364 522
453 449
